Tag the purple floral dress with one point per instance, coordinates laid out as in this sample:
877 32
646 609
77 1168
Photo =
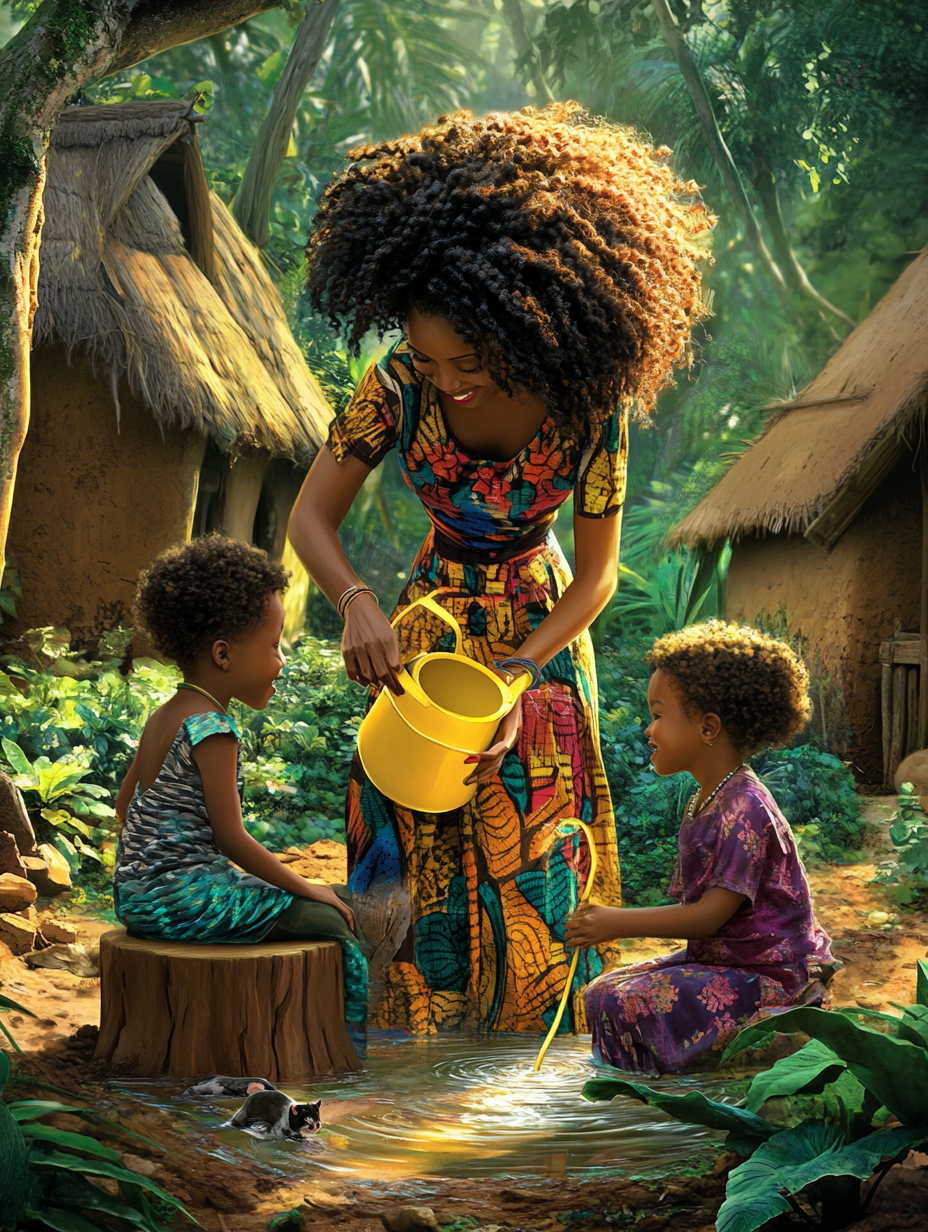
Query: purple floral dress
678 1012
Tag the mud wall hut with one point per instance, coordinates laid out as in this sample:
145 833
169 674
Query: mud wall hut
827 517
159 337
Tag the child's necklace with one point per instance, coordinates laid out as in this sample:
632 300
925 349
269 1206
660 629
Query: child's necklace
691 807
219 706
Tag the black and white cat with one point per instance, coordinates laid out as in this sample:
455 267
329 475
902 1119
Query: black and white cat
230 1088
272 1114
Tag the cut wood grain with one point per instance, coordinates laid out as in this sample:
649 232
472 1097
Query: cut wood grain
273 1010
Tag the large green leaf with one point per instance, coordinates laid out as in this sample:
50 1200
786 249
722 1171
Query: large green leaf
18 760
98 1167
894 1070
63 1220
70 1141
796 1158
921 983
7 1004
16 1183
806 1072
71 1190
692 1109
32 1109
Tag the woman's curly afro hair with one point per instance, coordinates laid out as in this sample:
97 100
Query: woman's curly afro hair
754 683
210 588
563 250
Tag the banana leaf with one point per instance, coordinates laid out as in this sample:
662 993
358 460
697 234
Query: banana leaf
894 1070
16 1183
69 1141
31 1109
98 1167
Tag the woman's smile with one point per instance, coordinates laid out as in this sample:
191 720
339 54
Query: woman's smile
461 399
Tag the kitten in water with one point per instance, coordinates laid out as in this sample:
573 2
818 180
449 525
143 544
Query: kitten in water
231 1088
272 1114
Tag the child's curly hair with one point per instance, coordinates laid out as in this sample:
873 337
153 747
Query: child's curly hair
563 249
210 588
755 683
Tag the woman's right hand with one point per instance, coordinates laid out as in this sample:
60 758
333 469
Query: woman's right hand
325 894
369 646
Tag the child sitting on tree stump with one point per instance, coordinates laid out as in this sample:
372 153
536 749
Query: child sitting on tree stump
214 606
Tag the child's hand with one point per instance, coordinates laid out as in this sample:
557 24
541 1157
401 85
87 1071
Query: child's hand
591 925
325 894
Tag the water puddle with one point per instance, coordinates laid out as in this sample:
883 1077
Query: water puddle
460 1106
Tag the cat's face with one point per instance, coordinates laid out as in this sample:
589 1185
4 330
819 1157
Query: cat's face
304 1118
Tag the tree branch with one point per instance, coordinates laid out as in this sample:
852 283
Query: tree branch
158 25
252 204
716 143
525 51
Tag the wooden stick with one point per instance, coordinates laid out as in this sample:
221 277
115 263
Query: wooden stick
911 711
886 707
923 628
895 755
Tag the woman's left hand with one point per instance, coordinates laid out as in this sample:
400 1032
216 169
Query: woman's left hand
593 925
487 765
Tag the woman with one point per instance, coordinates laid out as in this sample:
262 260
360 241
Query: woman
543 271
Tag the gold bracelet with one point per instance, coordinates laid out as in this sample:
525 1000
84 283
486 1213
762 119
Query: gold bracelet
347 594
363 590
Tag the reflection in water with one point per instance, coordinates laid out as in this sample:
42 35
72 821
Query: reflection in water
465 1106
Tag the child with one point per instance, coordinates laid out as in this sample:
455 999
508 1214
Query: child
214 606
719 693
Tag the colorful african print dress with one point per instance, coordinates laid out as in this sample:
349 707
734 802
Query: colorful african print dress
172 883
679 1012
464 911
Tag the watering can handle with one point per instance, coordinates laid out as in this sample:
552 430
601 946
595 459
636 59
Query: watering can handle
429 602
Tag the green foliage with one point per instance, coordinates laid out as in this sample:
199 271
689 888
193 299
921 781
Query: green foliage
6 1004
46 1173
906 876
298 751
847 1076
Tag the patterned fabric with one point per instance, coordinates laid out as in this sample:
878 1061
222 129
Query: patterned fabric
479 509
172 883
486 889
680 1011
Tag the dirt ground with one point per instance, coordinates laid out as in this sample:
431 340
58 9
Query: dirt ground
878 945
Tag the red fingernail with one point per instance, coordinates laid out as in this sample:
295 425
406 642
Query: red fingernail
469 761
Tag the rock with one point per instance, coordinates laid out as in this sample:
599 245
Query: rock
10 859
15 892
52 931
73 958
56 877
410 1219
30 914
913 769
14 816
17 933
325 1201
144 1167
521 1195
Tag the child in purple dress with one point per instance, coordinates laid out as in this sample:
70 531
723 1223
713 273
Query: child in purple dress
719 694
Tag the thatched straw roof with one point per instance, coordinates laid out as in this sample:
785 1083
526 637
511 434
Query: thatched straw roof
146 270
824 453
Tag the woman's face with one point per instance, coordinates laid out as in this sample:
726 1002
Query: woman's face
449 362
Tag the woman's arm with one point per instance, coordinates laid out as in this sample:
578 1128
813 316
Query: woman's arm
596 546
368 642
216 759
595 925
127 790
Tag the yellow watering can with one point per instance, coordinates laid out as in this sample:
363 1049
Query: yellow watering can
413 748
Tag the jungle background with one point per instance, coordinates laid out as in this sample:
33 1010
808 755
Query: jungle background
804 121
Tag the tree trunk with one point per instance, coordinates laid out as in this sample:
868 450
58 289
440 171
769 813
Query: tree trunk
797 279
274 1010
515 19
252 204
716 143
61 48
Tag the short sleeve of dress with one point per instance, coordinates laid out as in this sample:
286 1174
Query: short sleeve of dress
600 489
740 860
210 723
367 427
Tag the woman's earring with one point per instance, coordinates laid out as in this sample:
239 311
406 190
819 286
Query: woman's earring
709 742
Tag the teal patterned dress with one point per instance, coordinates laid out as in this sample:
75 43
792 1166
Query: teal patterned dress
172 883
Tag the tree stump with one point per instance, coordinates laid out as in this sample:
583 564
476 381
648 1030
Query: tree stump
273 1010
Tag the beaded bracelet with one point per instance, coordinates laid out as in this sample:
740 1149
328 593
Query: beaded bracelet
362 590
528 665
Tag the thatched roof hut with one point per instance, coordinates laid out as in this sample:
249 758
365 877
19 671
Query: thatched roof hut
826 514
158 331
